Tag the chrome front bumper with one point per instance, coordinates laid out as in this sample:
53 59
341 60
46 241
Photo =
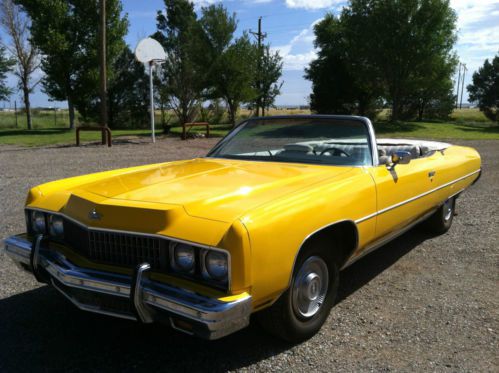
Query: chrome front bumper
131 297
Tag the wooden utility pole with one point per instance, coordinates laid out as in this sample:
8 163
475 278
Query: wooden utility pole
103 70
259 36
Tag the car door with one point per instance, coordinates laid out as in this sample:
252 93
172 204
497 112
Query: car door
404 193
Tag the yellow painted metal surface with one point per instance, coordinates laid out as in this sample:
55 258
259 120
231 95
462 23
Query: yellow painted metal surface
261 212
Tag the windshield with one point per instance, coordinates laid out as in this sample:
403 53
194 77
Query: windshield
317 140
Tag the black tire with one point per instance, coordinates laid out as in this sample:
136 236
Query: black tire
282 319
441 220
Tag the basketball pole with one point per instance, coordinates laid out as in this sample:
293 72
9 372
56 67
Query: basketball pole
151 95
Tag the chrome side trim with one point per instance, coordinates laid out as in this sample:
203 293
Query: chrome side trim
386 209
385 239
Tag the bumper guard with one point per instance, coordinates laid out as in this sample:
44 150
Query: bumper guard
131 297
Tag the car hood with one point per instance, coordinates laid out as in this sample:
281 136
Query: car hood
216 189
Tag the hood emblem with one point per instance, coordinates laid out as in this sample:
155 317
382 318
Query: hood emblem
94 215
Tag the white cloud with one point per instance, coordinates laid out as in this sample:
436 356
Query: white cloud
478 30
299 61
313 4
303 48
199 3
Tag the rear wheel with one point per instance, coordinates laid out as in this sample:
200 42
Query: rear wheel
304 307
441 220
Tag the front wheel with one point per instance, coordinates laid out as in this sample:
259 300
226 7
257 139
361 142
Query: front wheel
304 307
441 220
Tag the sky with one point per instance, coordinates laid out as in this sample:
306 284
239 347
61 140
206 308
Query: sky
289 28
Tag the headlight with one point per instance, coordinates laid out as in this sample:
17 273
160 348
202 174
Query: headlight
216 264
38 222
56 226
183 257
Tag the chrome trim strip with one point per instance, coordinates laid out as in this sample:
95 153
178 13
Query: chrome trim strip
138 294
160 236
86 307
18 248
385 239
386 209
372 140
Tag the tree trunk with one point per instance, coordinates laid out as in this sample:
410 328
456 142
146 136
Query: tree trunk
232 113
421 110
395 109
71 109
27 106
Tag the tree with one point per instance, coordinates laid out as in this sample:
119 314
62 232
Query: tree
403 40
434 96
128 92
383 50
342 78
66 32
6 65
485 89
267 77
182 78
16 25
235 73
217 56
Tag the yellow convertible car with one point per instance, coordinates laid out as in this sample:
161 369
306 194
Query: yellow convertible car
263 224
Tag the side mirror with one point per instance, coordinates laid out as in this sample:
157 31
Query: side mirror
401 158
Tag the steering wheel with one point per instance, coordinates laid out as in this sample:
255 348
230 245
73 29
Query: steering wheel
335 152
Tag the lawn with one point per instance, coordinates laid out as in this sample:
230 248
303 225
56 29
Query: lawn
51 128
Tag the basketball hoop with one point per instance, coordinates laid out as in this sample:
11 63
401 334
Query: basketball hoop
150 52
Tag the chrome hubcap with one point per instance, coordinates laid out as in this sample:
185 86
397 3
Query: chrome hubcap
310 287
448 207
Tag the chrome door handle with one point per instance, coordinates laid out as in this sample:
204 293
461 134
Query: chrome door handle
431 173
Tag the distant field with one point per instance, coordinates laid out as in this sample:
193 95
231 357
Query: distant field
52 128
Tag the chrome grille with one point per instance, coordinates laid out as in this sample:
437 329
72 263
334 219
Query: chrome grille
125 249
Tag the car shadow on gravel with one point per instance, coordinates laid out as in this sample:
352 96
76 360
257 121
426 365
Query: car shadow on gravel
367 268
41 331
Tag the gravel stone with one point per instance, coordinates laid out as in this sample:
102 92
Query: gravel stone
420 303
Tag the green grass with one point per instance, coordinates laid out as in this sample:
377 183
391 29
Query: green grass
49 130
58 136
439 130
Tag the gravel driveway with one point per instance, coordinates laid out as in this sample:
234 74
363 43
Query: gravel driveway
420 303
